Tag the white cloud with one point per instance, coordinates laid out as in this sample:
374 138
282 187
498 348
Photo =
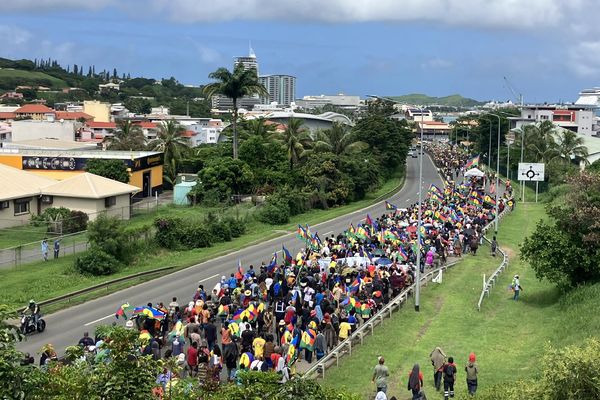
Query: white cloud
52 5
584 59
437 63
12 39
514 14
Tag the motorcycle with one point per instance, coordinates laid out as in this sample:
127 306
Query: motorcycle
28 326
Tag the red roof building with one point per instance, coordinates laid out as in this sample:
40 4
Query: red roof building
5 116
34 109
73 115
101 125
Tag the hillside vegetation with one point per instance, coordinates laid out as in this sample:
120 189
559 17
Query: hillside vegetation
508 337
11 78
455 100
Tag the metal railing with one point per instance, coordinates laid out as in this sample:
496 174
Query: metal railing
489 284
104 285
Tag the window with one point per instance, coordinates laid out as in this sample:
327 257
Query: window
3 204
46 199
21 207
110 201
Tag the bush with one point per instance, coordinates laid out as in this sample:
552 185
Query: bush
108 234
275 212
176 234
61 220
96 262
76 222
195 235
220 231
237 226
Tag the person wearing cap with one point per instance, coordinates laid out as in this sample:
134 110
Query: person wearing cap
472 369
516 287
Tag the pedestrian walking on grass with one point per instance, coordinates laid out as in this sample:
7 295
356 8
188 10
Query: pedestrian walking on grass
415 382
438 359
449 378
516 287
472 370
494 246
45 249
56 248
380 376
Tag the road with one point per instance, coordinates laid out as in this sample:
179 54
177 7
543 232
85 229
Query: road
65 328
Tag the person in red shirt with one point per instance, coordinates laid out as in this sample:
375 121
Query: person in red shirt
192 359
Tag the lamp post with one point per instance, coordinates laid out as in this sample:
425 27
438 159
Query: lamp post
497 172
419 223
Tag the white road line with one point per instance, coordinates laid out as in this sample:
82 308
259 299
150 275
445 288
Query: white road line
210 277
99 319
328 233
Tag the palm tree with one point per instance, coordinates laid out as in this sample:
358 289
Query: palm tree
259 127
569 145
235 85
127 136
540 141
170 141
296 140
339 140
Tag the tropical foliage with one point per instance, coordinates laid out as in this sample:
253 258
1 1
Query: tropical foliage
127 136
235 85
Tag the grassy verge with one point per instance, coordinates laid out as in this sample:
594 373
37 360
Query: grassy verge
45 280
508 337
11 237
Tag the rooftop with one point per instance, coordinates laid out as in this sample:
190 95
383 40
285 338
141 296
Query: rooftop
105 154
48 144
89 186
107 125
17 184
34 109
73 115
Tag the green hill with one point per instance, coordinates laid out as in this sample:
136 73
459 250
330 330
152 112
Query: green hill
11 78
454 100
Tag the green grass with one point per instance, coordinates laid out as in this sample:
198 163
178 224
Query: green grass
11 237
45 280
34 76
508 337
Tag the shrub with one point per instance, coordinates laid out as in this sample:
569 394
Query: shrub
195 235
276 211
96 262
76 222
220 231
168 231
108 234
237 226
175 233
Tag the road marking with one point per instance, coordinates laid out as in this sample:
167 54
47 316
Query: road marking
210 277
99 319
328 233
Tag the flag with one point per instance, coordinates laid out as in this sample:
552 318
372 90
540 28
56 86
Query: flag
149 312
390 206
292 353
308 339
123 310
402 253
301 233
369 221
475 201
307 230
273 264
361 232
355 286
488 200
287 256
473 162
365 310
317 238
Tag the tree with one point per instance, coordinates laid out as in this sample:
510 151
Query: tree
108 234
569 145
566 250
226 177
170 141
127 136
540 142
296 141
340 140
111 169
235 85
138 106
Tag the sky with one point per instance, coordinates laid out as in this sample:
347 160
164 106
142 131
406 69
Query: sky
548 49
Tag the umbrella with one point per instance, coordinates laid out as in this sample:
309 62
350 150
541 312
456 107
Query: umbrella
384 261
378 252
348 271
474 172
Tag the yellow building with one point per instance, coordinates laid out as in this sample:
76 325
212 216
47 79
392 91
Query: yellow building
145 167
99 110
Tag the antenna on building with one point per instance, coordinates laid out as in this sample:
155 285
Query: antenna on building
251 52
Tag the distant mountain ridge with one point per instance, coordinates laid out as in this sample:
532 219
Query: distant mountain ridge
454 100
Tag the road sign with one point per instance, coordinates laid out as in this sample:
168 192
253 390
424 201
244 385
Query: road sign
531 172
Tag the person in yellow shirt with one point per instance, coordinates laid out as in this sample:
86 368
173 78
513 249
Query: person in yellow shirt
345 329
258 345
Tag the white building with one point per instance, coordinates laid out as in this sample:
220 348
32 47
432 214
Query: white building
281 88
34 129
338 100
577 118
589 97
205 131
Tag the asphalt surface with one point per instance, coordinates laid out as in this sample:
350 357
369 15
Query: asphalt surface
66 327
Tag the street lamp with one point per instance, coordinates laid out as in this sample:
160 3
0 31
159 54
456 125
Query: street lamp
419 222
497 171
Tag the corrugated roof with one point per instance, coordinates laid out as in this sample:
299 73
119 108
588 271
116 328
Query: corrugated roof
90 186
17 184
8 115
73 115
109 125
34 109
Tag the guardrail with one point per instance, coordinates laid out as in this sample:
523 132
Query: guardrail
489 284
67 297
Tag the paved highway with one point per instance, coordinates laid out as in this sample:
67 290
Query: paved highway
66 327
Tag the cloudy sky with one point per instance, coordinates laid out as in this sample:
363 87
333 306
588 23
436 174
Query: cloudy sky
548 49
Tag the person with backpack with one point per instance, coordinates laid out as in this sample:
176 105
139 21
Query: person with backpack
449 378
472 370
415 382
